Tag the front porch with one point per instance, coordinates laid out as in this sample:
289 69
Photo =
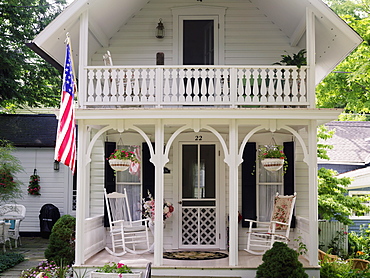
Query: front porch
247 265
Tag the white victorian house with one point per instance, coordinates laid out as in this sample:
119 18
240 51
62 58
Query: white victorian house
198 103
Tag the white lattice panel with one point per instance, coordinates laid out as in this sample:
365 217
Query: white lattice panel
199 226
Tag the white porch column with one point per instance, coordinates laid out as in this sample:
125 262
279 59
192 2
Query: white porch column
82 180
311 51
313 193
232 160
159 162
82 192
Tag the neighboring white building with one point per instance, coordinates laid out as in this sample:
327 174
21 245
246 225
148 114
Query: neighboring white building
208 107
34 136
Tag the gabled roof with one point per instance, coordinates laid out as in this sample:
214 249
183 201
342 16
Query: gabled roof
29 130
334 38
351 143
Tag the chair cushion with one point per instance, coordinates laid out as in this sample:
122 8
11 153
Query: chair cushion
281 211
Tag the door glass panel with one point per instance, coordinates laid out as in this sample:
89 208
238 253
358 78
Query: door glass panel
207 171
190 171
198 42
198 175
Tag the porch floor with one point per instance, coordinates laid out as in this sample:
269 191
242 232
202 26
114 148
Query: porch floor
187 268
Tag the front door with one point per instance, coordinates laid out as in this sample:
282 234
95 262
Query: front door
198 40
198 196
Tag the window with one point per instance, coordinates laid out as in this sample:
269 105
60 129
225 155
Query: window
268 183
360 194
132 183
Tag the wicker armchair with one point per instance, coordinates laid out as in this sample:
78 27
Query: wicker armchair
359 264
324 257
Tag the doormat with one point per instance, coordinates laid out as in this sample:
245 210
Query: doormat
194 255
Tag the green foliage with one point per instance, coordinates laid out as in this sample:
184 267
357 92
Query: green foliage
341 269
348 85
333 202
359 244
26 78
337 244
114 268
8 260
10 187
34 187
61 248
323 133
297 59
280 262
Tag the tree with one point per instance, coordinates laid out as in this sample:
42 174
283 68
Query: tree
333 201
10 188
26 78
349 84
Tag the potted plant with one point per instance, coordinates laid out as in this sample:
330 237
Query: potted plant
273 158
114 270
121 159
298 59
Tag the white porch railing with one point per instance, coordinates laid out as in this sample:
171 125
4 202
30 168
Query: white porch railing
164 86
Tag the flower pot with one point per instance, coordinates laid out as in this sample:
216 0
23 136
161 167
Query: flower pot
273 164
114 275
119 164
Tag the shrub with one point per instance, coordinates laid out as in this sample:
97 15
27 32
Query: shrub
341 269
61 248
359 245
9 260
281 262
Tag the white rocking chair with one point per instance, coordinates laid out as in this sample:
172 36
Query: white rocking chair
260 239
126 235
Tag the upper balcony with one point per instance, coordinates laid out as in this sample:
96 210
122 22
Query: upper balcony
195 86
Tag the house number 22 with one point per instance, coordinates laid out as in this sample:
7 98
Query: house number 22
198 138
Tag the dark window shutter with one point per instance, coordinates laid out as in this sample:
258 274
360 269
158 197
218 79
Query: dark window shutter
289 182
109 177
148 171
249 210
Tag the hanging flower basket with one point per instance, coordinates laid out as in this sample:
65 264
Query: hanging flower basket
119 164
120 159
272 157
273 164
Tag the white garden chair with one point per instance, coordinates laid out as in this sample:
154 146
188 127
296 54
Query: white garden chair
14 213
126 235
4 235
261 238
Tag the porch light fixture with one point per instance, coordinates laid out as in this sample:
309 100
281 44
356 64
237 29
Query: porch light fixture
159 32
56 165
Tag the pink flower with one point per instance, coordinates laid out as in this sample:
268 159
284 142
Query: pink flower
119 265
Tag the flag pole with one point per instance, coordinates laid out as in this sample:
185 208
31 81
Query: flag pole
68 41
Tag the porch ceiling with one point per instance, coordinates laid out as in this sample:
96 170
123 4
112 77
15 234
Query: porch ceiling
334 39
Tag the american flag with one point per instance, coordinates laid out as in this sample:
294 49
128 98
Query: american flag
65 149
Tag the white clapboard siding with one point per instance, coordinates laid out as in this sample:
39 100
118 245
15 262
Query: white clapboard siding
56 186
250 37
97 178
